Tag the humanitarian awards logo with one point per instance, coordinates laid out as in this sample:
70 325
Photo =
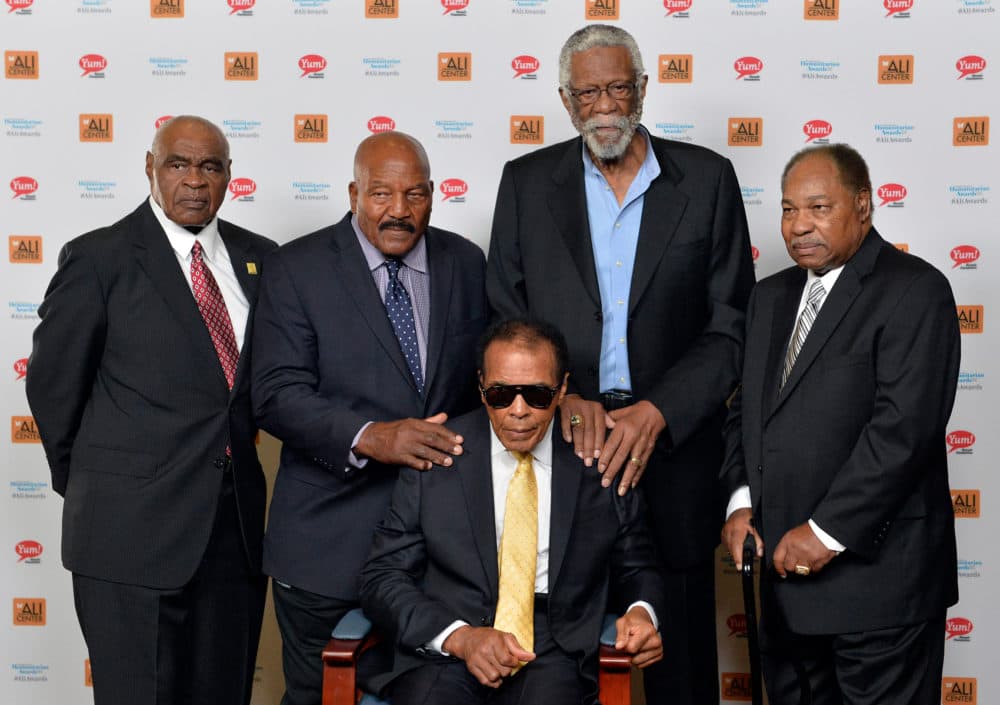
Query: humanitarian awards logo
677 8
311 7
898 9
95 189
528 7
971 131
28 552
241 8
976 7
891 195
23 311
748 8
958 629
166 9
94 7
970 318
453 190
455 8
30 672
311 128
961 442
752 195
821 10
24 430
959 690
242 189
382 9
311 191
964 257
817 131
454 129
893 133
19 7
20 369
970 568
22 127
966 503
969 194
817 69
971 67
676 68
29 611
241 66
242 128
311 66
746 131
380 67
167 66
737 625
600 9
679 131
380 123
24 188
97 127
21 65
736 686
748 68
93 66
527 129
971 381
28 489
525 67
454 66
25 249
895 69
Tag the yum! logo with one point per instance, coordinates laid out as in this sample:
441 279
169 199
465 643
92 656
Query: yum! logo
242 188
678 8
454 190
525 66
962 441
965 256
28 552
748 68
817 131
891 195
971 67
899 8
241 6
24 187
93 65
312 65
381 123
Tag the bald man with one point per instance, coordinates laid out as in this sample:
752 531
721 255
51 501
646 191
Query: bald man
364 347
139 380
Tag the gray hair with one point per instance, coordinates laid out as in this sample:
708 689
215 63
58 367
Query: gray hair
597 35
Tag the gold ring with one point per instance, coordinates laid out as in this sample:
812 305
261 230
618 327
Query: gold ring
635 460
802 569
575 420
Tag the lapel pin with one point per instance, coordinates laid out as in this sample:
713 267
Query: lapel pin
251 267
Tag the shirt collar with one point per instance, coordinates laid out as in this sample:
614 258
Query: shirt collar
181 240
649 169
828 279
415 259
541 452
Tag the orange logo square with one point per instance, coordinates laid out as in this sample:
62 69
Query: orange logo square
675 68
959 690
382 9
971 131
746 131
242 66
24 430
97 127
88 678
20 64
311 128
967 505
527 129
902 246
454 66
600 9
970 319
736 686
166 9
25 249
29 612
895 68
821 10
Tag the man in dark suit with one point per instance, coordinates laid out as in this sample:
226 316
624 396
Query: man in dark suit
139 383
836 450
636 248
364 344
477 619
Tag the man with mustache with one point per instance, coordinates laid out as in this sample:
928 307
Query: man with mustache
636 248
365 344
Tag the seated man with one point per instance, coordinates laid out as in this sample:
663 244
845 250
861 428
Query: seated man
493 575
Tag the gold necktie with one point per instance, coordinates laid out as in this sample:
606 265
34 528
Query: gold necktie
518 555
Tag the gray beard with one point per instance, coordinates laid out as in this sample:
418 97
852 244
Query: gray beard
608 151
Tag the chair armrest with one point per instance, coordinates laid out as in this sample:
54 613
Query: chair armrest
350 637
615 674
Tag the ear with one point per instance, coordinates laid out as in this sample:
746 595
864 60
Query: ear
352 193
562 389
149 167
863 203
565 98
643 82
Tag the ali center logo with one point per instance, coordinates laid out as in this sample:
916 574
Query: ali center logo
312 66
527 129
748 68
241 8
959 690
241 66
601 10
525 67
736 686
966 503
29 612
828 10
166 9
24 430
678 8
93 65
958 629
970 318
97 127
891 195
28 552
454 66
311 128
971 131
21 65
817 131
898 9
242 189
965 257
971 67
25 249
382 9
746 131
454 190
895 69
961 442
381 123
676 68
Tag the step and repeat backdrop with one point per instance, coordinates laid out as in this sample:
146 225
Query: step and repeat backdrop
296 84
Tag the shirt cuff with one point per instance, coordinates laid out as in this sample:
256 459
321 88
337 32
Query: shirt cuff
739 499
354 461
649 608
437 643
825 538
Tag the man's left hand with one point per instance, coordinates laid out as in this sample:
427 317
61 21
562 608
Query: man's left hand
630 443
800 548
638 636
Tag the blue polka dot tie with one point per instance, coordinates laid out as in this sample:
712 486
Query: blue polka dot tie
400 310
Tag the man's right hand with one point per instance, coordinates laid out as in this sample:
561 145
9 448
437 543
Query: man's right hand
489 654
734 533
588 435
419 444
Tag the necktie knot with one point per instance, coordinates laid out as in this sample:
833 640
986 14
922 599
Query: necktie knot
816 294
393 265
196 250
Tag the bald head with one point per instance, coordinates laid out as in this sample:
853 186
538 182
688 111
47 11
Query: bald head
182 122
378 147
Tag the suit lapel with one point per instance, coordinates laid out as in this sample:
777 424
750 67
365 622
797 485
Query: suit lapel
441 269
567 203
782 322
567 470
476 476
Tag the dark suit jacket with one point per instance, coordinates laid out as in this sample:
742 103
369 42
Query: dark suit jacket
855 440
326 362
693 274
434 558
133 406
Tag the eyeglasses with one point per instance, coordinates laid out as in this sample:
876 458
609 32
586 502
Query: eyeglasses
619 90
537 396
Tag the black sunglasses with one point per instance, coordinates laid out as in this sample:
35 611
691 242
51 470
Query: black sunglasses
537 396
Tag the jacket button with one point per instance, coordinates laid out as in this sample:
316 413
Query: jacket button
598 316
760 468
220 463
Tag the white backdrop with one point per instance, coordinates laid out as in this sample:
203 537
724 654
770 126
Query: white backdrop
911 84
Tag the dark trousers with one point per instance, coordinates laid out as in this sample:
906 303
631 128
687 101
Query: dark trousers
306 621
896 666
689 671
195 645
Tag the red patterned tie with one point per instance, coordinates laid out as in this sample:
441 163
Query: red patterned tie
213 310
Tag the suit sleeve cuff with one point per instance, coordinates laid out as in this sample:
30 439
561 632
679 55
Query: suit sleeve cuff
649 608
437 643
353 461
825 538
739 499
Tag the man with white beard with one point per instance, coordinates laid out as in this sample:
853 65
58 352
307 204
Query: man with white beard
636 248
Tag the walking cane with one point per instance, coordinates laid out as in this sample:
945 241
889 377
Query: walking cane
750 608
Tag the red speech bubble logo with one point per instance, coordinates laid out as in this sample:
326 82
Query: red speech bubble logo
453 5
747 66
969 65
672 6
21 368
453 187
815 129
92 63
524 64
964 254
238 5
311 63
737 624
890 193
28 549
18 5
960 439
242 187
754 252
160 120
23 185
894 6
957 626
381 123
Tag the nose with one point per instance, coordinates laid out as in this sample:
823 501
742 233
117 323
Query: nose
399 207
802 221
193 178
519 408
605 103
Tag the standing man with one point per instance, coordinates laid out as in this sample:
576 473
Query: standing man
364 343
636 248
836 450
139 382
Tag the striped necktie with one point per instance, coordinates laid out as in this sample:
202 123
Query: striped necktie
814 299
